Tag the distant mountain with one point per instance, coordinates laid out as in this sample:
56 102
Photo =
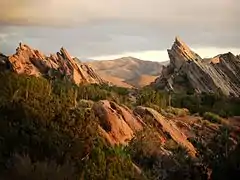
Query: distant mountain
127 71
187 71
29 61
86 59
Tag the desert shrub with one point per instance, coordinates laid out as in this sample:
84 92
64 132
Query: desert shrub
145 149
149 153
22 167
201 103
171 145
148 96
109 163
166 114
216 152
214 118
43 120
180 112
229 167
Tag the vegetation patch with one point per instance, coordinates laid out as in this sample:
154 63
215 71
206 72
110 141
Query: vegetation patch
214 118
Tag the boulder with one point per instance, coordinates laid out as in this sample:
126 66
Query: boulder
116 123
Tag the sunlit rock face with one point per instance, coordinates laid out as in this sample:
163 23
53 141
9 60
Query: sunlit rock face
29 61
187 70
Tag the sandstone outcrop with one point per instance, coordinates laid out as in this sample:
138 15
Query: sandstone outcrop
168 127
188 71
60 65
117 123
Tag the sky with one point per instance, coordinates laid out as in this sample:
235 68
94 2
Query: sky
109 29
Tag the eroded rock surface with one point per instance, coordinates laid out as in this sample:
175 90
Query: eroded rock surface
188 71
60 65
117 123
169 127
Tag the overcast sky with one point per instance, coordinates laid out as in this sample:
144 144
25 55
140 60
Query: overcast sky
105 29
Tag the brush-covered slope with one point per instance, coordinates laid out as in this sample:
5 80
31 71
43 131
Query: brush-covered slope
57 130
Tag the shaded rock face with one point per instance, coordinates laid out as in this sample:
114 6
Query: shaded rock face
187 70
117 123
4 65
168 127
32 62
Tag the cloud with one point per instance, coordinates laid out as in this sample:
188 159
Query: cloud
69 12
90 28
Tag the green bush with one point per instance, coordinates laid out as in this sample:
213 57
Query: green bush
148 96
22 167
50 123
149 154
201 103
180 112
48 131
214 118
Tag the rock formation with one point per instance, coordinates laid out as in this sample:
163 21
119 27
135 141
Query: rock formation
168 127
32 62
188 71
117 123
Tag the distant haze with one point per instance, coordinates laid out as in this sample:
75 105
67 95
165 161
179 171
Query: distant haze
108 29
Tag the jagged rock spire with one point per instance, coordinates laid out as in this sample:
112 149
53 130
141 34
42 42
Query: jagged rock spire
27 60
188 71
180 53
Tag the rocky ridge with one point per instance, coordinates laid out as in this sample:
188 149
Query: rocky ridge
60 65
188 71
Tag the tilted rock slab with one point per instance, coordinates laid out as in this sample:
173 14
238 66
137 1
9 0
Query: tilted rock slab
214 75
60 65
117 123
168 127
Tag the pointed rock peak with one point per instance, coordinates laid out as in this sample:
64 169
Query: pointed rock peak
65 53
178 39
63 49
20 44
182 49
180 43
24 46
181 53
31 52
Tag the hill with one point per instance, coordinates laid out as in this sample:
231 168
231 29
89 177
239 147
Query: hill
128 71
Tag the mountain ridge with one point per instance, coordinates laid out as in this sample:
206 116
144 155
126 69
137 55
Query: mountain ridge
131 71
